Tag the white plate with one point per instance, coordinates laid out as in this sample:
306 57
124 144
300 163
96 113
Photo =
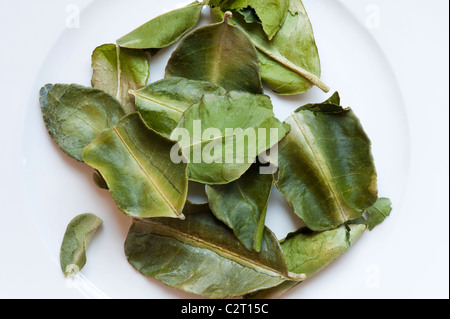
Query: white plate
59 188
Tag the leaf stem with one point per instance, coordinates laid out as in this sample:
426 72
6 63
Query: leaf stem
307 75
296 277
228 15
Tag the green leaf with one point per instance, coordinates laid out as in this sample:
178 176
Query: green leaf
99 181
117 70
219 53
335 99
135 162
164 30
74 115
163 103
326 167
242 205
201 255
377 213
249 15
309 252
77 237
221 148
290 61
271 13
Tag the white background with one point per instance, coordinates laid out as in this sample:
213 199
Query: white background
413 36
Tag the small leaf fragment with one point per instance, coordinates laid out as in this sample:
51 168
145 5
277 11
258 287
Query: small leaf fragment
99 180
77 237
249 15
377 213
271 13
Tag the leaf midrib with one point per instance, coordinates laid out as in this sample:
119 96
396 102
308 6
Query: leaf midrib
215 74
119 73
318 160
185 238
145 97
155 185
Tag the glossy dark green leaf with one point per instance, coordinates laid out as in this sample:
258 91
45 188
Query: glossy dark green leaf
201 255
223 134
326 167
377 213
135 163
290 62
163 103
242 205
271 13
117 70
219 53
309 252
164 29
77 237
74 115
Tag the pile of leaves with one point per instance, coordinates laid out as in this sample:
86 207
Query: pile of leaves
128 131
